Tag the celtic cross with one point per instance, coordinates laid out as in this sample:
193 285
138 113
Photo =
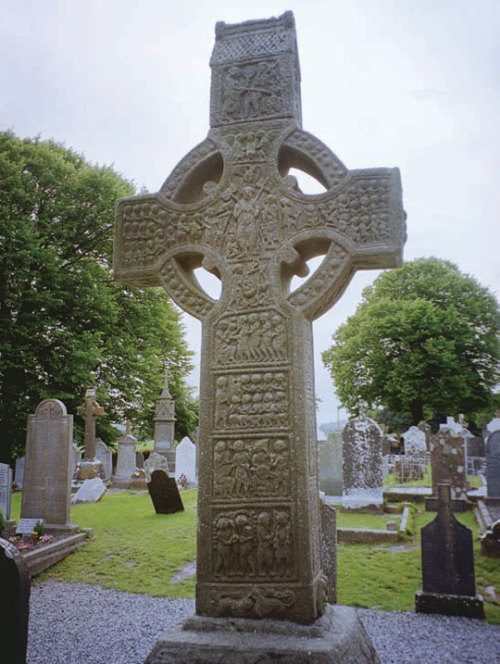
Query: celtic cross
231 207
89 412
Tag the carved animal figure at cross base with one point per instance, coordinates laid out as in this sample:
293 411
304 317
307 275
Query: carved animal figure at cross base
231 207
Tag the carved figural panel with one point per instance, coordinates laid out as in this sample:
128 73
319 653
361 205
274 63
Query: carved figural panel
232 207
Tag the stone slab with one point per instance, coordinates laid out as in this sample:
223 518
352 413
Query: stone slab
164 493
26 526
91 491
449 605
40 559
338 637
366 535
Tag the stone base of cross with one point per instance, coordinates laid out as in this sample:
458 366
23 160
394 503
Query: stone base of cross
232 207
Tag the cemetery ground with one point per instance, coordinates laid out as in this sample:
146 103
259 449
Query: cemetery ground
133 549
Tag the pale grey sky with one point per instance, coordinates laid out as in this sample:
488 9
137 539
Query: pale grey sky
406 83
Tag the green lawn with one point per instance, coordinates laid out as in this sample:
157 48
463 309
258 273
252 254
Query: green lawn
136 550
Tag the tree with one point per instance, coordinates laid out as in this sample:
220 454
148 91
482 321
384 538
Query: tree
425 337
65 324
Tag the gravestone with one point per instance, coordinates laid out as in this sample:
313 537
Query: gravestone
414 441
185 461
155 461
493 465
164 493
125 462
15 584
76 456
5 489
47 471
19 472
231 207
139 460
448 466
475 446
89 467
165 426
105 456
426 428
330 464
362 466
448 582
490 540
493 425
91 491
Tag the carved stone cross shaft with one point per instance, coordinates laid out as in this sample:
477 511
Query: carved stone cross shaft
231 207
89 412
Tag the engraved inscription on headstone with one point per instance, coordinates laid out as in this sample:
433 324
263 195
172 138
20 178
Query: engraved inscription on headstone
448 565
362 465
47 473
230 207
27 526
164 493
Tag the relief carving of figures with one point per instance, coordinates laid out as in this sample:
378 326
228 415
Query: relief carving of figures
251 285
253 543
257 337
251 91
251 400
244 468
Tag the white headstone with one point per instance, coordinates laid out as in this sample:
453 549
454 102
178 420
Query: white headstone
185 460
414 441
5 489
91 491
105 456
155 461
19 472
125 462
76 456
493 425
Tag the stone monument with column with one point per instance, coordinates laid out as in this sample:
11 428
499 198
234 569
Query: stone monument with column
232 207
90 466
165 426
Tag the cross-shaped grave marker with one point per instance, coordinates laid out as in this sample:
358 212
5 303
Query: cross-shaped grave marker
231 207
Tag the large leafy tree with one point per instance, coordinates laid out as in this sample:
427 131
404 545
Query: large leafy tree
424 338
65 324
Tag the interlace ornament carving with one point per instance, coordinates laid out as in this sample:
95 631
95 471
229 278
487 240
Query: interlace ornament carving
232 207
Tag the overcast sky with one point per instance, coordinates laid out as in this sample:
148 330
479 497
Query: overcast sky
407 83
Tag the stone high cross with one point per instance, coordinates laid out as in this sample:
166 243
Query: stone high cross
89 412
231 207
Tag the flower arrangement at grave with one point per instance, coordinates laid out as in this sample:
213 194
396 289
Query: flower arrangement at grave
182 481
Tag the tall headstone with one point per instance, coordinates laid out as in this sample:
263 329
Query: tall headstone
414 441
448 582
125 462
19 472
426 428
493 425
89 467
105 456
164 493
76 457
493 465
449 466
185 461
155 461
47 472
15 585
231 207
362 465
330 464
5 489
165 426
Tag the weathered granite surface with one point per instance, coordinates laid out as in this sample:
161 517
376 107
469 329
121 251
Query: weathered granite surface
231 207
15 587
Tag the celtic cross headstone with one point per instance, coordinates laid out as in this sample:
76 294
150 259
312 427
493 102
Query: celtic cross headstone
89 467
231 207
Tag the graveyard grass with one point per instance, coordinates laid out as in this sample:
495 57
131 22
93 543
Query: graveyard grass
135 550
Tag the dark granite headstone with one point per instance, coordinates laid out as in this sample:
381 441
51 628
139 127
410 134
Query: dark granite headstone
164 493
490 540
493 465
448 565
15 584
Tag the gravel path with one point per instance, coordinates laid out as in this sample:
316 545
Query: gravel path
78 623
